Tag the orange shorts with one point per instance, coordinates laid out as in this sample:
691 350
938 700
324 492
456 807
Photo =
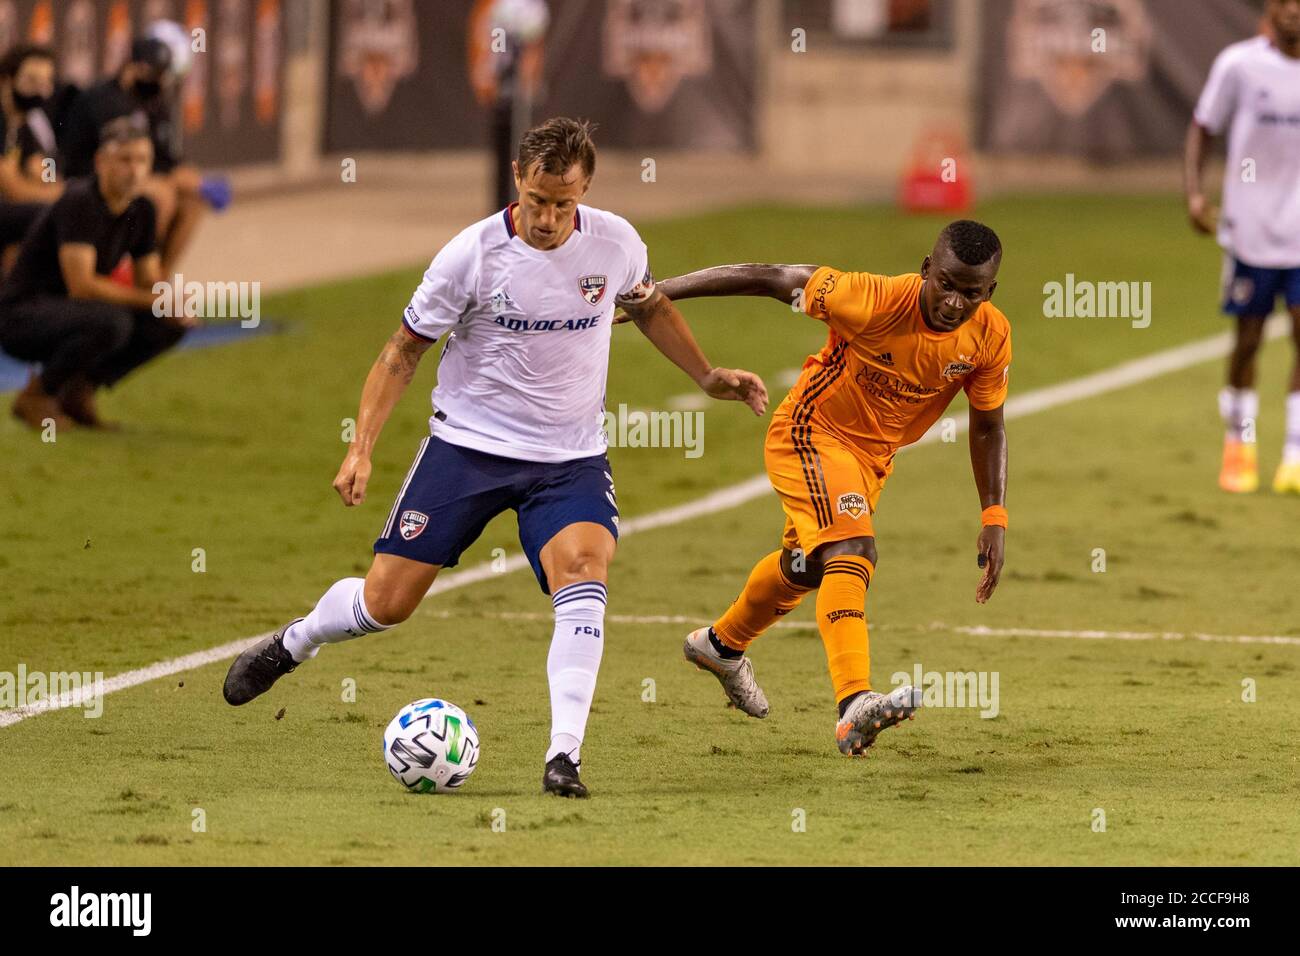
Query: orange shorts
828 493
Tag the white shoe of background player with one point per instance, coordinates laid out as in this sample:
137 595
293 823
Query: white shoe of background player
736 675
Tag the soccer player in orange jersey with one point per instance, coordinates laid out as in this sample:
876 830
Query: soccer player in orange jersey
899 350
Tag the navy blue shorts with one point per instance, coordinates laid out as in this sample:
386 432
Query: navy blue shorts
451 493
1251 290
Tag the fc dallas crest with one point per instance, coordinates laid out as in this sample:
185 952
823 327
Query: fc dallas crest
592 288
412 524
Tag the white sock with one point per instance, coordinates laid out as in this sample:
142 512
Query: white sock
1291 451
571 667
340 615
1239 409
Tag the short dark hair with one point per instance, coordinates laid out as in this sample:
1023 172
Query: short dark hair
972 242
123 130
557 145
13 60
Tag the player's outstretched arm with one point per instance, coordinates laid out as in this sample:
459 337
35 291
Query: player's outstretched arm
660 322
754 278
388 378
988 458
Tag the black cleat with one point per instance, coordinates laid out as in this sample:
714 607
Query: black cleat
258 667
561 778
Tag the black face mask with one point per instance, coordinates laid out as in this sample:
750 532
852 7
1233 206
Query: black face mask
147 89
28 101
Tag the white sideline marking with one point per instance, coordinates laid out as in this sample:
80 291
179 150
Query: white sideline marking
127 679
1108 380
1128 635
977 631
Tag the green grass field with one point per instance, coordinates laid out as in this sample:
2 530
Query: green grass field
232 450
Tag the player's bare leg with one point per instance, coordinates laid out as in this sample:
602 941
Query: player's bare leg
395 586
776 586
1239 408
351 608
1287 479
576 562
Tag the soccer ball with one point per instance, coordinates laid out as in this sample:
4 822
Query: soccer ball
431 746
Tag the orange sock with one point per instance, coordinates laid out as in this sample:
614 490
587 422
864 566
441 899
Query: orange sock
842 619
767 596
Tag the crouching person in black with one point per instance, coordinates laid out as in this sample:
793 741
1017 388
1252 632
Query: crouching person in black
59 307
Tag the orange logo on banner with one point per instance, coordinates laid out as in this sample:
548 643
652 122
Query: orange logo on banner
266 61
117 37
41 28
379 44
194 95
1055 45
652 47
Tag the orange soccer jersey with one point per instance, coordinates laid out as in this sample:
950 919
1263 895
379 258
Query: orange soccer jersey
882 379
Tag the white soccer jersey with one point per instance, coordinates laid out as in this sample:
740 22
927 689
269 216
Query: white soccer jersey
1254 93
523 371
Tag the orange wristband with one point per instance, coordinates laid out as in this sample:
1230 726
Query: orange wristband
994 515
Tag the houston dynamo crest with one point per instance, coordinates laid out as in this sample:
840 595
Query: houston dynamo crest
592 288
852 504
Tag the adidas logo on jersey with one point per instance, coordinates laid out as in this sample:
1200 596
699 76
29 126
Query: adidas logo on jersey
886 358
501 301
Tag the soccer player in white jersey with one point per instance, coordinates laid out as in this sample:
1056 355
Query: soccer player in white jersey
1253 95
526 299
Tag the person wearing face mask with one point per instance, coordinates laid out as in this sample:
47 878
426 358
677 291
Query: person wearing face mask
26 142
27 83
145 88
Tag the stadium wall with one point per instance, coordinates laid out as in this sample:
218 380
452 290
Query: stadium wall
849 117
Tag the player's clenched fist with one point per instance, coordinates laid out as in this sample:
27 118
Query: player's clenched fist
1204 217
353 476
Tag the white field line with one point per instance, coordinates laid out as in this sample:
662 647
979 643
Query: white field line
1129 635
1041 399
979 631
176 665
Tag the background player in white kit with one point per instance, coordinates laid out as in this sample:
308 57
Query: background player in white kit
527 297
1253 93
